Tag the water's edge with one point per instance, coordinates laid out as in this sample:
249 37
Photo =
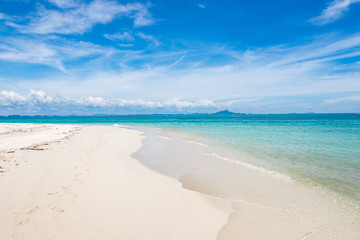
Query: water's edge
246 186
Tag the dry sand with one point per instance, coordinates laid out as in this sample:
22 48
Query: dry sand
80 182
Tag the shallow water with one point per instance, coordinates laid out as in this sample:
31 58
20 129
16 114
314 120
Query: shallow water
272 202
315 149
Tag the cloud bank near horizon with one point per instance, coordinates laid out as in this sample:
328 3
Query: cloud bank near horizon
36 102
39 103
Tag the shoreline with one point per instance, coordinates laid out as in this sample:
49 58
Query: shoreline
285 209
244 159
238 201
87 186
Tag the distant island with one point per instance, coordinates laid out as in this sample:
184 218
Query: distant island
225 112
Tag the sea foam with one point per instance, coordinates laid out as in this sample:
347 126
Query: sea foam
248 165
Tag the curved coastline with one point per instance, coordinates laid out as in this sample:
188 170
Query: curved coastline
266 205
94 173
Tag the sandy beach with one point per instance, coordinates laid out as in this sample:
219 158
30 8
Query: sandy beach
80 182
107 182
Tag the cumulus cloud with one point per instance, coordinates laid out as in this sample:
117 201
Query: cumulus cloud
38 97
93 101
334 11
8 98
39 100
83 17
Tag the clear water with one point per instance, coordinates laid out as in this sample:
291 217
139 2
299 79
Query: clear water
320 149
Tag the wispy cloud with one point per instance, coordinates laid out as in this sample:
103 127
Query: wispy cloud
82 18
152 39
326 66
21 50
125 36
52 51
3 16
342 99
321 50
318 67
201 5
334 11
176 62
125 45
65 3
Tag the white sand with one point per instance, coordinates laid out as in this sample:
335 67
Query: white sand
17 135
87 186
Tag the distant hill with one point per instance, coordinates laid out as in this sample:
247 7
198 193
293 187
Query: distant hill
225 112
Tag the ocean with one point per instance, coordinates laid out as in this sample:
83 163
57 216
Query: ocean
321 150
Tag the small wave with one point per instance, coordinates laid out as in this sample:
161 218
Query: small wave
248 165
165 138
197 143
118 125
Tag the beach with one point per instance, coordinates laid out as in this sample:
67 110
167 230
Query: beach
110 182
82 183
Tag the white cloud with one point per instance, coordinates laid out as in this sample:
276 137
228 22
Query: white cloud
150 38
186 104
125 44
65 3
177 61
142 17
93 101
20 50
125 36
334 11
38 99
82 18
201 6
3 16
276 71
172 102
207 72
342 99
48 51
8 98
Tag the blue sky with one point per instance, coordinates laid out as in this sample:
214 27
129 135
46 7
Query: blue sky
181 56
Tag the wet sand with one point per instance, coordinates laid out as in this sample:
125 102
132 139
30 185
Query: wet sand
266 205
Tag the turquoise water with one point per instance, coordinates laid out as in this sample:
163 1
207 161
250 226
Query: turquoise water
319 149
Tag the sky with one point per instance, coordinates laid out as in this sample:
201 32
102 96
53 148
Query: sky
83 57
